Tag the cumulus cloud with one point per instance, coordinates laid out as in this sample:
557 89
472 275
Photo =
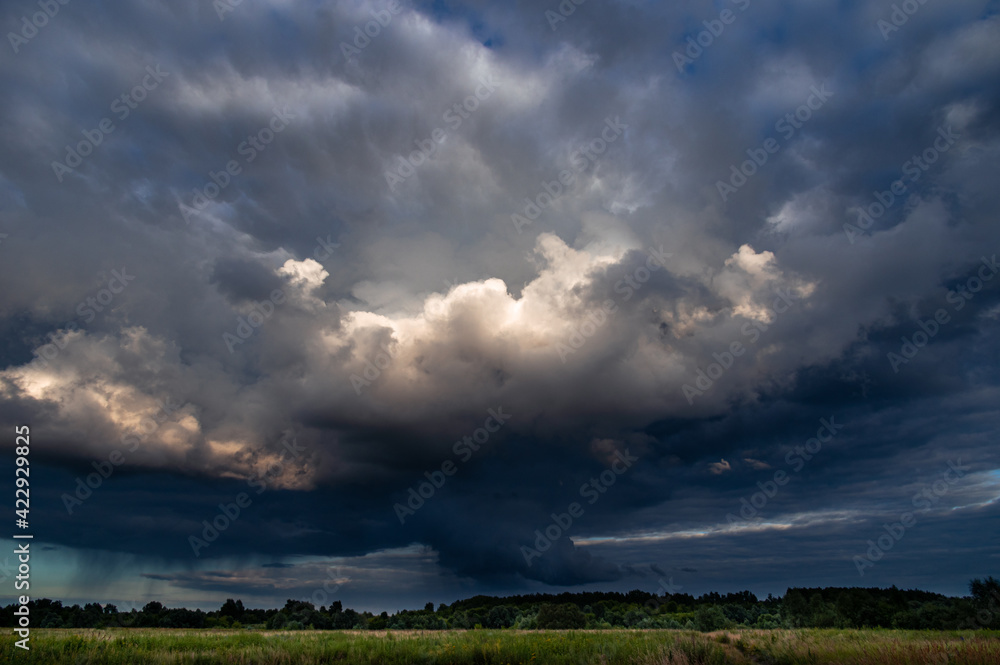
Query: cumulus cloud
638 311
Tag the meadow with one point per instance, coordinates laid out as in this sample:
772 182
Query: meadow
160 646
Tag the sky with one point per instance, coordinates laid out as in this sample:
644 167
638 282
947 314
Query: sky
402 302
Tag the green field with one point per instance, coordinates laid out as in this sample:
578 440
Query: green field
505 647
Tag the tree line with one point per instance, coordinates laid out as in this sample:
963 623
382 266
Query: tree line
830 607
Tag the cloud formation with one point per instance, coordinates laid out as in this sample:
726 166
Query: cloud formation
279 286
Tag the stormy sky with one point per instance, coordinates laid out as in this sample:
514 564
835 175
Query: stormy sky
448 298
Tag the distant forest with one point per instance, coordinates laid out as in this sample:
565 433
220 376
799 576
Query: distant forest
832 607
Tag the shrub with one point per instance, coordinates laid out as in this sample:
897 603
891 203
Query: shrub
709 618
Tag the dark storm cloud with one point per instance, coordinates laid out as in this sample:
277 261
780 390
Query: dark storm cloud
244 280
255 160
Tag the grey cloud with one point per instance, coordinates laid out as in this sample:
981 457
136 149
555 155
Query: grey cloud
472 314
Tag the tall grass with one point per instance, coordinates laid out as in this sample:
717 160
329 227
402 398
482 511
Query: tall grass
489 647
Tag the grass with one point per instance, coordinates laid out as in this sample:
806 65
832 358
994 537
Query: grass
492 647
